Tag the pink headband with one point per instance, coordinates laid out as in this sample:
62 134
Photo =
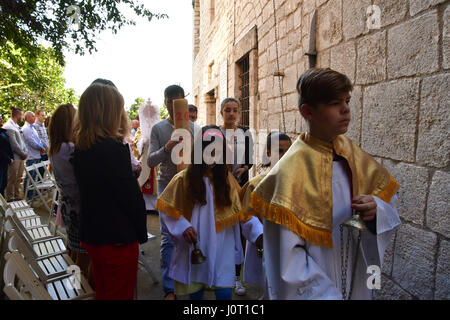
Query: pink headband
210 133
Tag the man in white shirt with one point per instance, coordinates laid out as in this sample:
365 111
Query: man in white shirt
34 144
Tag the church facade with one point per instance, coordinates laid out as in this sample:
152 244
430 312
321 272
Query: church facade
397 54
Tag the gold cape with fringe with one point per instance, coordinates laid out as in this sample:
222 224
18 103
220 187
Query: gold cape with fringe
297 192
245 195
175 201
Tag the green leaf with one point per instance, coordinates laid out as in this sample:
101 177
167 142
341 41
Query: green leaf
26 22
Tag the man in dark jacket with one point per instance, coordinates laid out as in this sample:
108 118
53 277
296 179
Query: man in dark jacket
6 157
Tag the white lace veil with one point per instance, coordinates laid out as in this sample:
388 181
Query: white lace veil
149 115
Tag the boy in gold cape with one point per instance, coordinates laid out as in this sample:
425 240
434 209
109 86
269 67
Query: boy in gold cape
312 190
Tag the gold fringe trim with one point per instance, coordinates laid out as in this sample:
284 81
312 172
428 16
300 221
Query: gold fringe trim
229 221
168 210
220 225
388 192
245 216
287 218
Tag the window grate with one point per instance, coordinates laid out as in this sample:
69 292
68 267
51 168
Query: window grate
244 65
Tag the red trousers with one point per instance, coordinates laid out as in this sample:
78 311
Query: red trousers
115 270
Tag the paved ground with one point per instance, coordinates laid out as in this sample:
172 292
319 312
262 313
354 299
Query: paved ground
146 289
149 291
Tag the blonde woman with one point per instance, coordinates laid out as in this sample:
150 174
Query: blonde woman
113 221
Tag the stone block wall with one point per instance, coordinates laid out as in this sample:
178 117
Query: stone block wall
400 104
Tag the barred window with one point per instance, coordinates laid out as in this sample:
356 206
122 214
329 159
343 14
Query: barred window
244 66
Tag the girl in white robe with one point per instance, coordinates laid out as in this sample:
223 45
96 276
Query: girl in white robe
195 213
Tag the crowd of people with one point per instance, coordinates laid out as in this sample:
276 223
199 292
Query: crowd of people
284 225
21 147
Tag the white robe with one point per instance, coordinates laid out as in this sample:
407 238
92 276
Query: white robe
150 201
222 249
253 265
296 269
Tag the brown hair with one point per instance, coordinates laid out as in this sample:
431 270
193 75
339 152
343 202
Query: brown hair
38 112
228 100
319 85
195 173
101 114
14 111
60 129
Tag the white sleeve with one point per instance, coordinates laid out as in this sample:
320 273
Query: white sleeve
134 161
387 215
387 221
238 250
252 229
292 274
374 246
176 227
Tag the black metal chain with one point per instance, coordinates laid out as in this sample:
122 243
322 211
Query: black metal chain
280 84
344 263
355 262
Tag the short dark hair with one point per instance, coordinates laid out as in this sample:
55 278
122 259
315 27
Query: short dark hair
193 108
15 111
281 136
274 135
106 82
173 91
318 85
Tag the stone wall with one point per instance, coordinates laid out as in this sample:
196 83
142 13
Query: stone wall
400 104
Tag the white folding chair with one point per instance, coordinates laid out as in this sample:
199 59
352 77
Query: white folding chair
23 213
44 172
27 217
32 234
47 177
14 205
41 247
20 209
46 267
56 193
54 209
37 185
22 284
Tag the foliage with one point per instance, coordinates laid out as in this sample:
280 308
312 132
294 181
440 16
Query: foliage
65 24
32 83
133 112
164 112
